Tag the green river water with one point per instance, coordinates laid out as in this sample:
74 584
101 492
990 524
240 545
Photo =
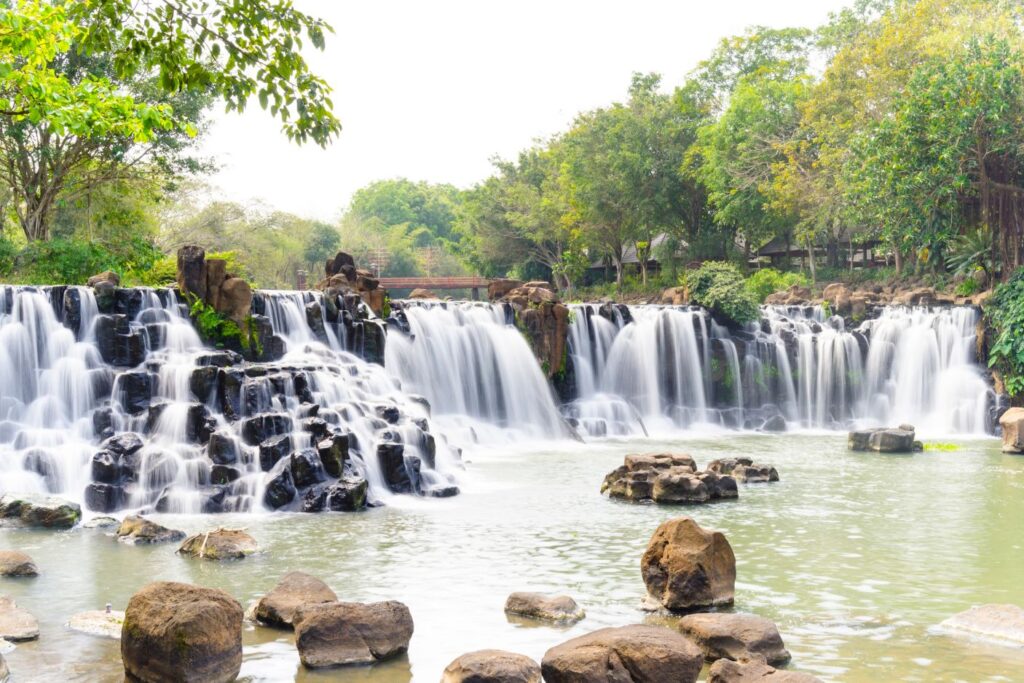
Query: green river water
857 557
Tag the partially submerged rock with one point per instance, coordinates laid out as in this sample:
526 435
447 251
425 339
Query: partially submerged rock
558 608
180 632
686 567
752 671
295 589
32 510
744 469
998 623
101 523
219 544
727 635
137 530
339 633
16 624
14 563
98 623
628 654
492 666
884 440
669 478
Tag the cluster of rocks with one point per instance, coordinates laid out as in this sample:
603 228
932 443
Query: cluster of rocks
209 281
885 440
673 478
542 317
857 302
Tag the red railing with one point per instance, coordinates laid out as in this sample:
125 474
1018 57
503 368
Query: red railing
433 282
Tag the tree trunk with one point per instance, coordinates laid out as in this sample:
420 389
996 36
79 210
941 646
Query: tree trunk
898 255
36 221
810 260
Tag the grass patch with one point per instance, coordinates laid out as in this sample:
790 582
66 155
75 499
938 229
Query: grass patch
941 447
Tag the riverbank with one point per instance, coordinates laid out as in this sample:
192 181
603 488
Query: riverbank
851 554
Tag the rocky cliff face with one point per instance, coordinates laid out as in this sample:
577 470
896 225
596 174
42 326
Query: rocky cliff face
544 320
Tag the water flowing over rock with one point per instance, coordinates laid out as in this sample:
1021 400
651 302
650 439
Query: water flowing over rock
16 625
179 632
629 654
219 544
492 666
14 563
686 567
339 633
728 635
557 608
1012 424
295 589
754 670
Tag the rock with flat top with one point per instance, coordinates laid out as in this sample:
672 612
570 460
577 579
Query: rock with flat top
219 544
137 530
14 563
340 633
16 624
754 670
998 623
295 589
30 510
628 654
98 623
492 666
557 608
728 635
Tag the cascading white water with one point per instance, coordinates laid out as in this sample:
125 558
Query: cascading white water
475 368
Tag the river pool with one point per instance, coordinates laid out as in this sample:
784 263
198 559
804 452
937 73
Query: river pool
856 556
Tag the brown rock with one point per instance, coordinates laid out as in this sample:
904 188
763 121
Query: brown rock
1012 424
559 608
422 294
192 270
726 635
675 296
235 299
629 654
216 273
755 473
277 608
497 289
137 530
340 260
219 544
108 277
754 671
375 300
337 633
179 632
15 563
686 567
16 625
38 511
492 666
679 488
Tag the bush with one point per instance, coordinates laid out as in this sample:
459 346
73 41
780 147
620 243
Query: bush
63 261
719 287
1005 313
767 281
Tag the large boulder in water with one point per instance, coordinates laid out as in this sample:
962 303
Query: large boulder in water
754 670
31 510
556 608
686 567
179 632
1012 424
16 624
730 635
295 589
669 478
219 544
14 563
628 654
1000 623
492 666
885 440
337 633
137 530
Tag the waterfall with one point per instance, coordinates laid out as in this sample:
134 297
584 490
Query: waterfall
475 368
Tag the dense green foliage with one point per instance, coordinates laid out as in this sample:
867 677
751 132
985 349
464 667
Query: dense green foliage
720 288
1005 313
766 281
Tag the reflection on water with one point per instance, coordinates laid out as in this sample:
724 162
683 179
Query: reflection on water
856 556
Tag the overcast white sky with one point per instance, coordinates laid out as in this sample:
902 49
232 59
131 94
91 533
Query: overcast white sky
432 89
